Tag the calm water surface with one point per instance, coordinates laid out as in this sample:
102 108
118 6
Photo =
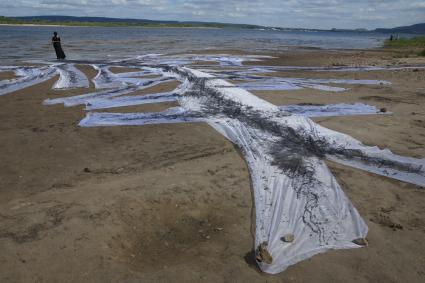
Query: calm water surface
33 43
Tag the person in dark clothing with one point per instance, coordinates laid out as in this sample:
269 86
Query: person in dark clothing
56 40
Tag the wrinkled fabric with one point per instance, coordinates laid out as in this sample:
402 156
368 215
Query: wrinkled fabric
294 191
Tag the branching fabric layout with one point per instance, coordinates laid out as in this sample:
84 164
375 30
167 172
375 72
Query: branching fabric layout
300 208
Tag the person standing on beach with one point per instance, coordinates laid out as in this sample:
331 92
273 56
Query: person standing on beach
56 40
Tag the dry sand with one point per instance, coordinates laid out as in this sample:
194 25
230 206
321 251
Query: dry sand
172 203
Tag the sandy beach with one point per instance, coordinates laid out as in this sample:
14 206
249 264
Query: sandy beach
173 203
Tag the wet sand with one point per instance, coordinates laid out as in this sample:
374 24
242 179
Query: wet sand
7 75
172 203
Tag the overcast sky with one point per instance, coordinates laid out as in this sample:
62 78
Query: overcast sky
289 13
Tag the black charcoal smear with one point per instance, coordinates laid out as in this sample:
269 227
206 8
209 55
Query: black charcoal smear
293 149
294 145
297 152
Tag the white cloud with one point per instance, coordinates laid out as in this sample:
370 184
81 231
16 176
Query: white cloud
290 13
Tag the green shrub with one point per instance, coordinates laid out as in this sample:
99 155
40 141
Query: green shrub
415 42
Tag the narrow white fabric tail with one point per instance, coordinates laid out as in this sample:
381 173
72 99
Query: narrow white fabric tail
70 77
172 115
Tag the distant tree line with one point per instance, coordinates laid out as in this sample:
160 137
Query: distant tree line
118 23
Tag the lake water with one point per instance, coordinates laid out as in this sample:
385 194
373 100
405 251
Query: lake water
19 43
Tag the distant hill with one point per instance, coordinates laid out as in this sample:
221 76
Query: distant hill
103 21
56 19
413 29
124 22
